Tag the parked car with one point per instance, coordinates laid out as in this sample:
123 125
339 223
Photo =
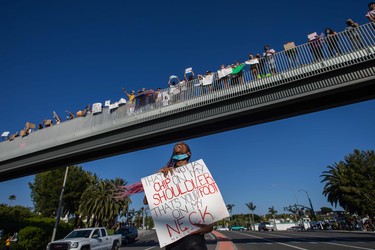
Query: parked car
222 229
265 226
238 228
128 234
296 228
134 230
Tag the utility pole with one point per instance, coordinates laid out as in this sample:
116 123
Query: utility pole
58 214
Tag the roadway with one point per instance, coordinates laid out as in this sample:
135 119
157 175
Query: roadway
280 240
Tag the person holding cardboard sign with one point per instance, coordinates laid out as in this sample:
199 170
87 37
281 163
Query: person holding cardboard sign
180 157
292 54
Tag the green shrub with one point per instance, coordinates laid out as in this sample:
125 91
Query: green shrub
32 238
47 225
12 218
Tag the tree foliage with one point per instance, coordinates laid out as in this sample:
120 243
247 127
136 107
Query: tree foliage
251 207
15 218
12 218
351 183
326 210
11 198
272 211
100 201
46 189
32 238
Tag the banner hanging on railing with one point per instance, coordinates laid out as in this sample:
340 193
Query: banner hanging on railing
224 72
208 79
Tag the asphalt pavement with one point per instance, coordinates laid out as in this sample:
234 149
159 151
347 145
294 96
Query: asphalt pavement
278 240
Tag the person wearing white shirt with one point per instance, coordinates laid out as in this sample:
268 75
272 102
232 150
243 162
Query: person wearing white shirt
269 55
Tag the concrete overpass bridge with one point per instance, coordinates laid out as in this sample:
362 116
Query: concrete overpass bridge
304 83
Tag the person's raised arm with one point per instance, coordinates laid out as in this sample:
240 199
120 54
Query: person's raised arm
126 93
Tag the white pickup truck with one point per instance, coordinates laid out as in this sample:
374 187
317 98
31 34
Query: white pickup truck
95 238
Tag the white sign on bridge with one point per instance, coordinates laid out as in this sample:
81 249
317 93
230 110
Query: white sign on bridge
188 196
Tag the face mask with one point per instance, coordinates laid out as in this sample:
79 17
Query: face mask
180 157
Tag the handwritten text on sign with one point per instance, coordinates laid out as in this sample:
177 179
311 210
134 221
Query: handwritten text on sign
189 196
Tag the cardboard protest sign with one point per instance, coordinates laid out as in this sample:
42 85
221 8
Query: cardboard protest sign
122 101
113 106
312 35
188 196
289 45
97 108
188 70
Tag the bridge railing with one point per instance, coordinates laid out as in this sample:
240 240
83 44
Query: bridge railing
344 49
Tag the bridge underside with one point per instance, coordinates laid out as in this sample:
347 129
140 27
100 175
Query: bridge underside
328 90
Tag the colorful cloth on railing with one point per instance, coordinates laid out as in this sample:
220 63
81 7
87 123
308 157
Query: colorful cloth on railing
238 69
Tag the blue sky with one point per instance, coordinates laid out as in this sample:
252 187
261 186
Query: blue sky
62 55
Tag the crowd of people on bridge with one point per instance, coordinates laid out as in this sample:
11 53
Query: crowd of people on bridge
265 64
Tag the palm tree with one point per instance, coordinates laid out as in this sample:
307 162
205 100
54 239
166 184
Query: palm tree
230 208
336 183
138 216
99 202
273 212
11 198
252 207
350 183
131 214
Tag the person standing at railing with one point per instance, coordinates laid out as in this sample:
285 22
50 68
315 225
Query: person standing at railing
159 98
138 102
69 117
237 73
254 66
207 81
174 88
332 41
292 54
353 34
189 78
223 75
131 96
371 13
270 59
315 46
262 68
130 103
183 88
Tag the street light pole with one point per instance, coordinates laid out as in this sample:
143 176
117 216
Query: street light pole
143 217
58 214
311 205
